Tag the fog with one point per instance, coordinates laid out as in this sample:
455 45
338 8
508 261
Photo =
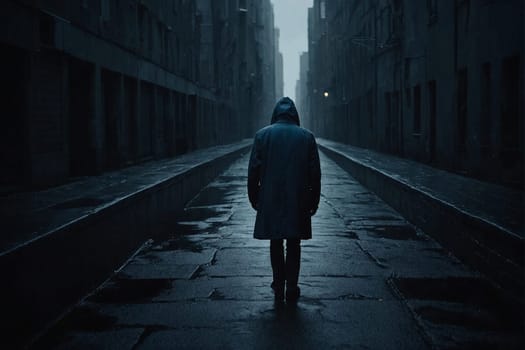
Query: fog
291 18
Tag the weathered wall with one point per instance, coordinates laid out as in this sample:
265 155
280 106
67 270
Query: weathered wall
97 85
436 81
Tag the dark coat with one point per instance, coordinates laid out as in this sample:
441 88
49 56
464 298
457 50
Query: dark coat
284 176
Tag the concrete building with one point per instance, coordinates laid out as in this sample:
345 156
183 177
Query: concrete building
319 74
93 85
265 68
279 67
245 40
301 92
436 81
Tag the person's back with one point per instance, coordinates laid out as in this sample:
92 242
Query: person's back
284 187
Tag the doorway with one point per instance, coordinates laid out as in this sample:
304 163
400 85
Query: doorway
12 140
432 121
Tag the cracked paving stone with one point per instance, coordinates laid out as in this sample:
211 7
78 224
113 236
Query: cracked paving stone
362 283
115 339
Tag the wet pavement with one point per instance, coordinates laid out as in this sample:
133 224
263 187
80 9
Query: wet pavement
31 215
369 280
491 203
481 223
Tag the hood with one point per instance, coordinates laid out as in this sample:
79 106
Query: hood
285 110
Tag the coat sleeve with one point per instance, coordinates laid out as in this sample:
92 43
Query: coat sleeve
254 173
314 168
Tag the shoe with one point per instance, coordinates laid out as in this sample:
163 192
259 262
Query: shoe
292 294
278 292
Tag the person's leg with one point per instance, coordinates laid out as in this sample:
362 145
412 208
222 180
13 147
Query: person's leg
293 263
278 267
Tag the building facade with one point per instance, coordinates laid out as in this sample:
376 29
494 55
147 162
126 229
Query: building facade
440 82
94 85
301 93
279 67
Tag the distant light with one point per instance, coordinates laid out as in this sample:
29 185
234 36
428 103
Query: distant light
325 94
242 9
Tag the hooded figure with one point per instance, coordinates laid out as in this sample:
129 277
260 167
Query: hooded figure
284 184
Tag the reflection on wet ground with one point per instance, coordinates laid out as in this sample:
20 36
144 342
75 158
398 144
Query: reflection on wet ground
123 290
369 280
396 232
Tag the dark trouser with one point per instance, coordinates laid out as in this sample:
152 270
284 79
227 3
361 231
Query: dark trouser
285 269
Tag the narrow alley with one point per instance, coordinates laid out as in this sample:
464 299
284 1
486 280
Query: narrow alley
369 280
125 214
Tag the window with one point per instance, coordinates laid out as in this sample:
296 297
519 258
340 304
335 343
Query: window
416 127
407 69
47 29
511 129
149 29
463 14
388 120
397 5
486 105
432 11
370 106
160 32
462 109
322 9
388 105
142 23
105 9
397 18
432 106
395 123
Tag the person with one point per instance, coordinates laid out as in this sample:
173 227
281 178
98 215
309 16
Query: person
284 186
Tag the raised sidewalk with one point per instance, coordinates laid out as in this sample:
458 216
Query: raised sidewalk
481 223
58 244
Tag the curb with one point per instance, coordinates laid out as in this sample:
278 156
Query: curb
483 245
45 276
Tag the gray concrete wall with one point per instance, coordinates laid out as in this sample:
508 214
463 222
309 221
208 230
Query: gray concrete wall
51 273
375 55
484 245
108 84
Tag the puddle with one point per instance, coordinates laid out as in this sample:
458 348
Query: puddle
213 195
395 232
79 203
178 243
203 213
185 228
124 291
231 179
200 220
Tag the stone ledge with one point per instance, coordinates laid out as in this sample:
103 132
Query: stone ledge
469 225
76 250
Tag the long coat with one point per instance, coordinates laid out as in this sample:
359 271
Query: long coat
284 176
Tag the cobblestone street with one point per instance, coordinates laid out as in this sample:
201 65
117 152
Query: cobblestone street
369 280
